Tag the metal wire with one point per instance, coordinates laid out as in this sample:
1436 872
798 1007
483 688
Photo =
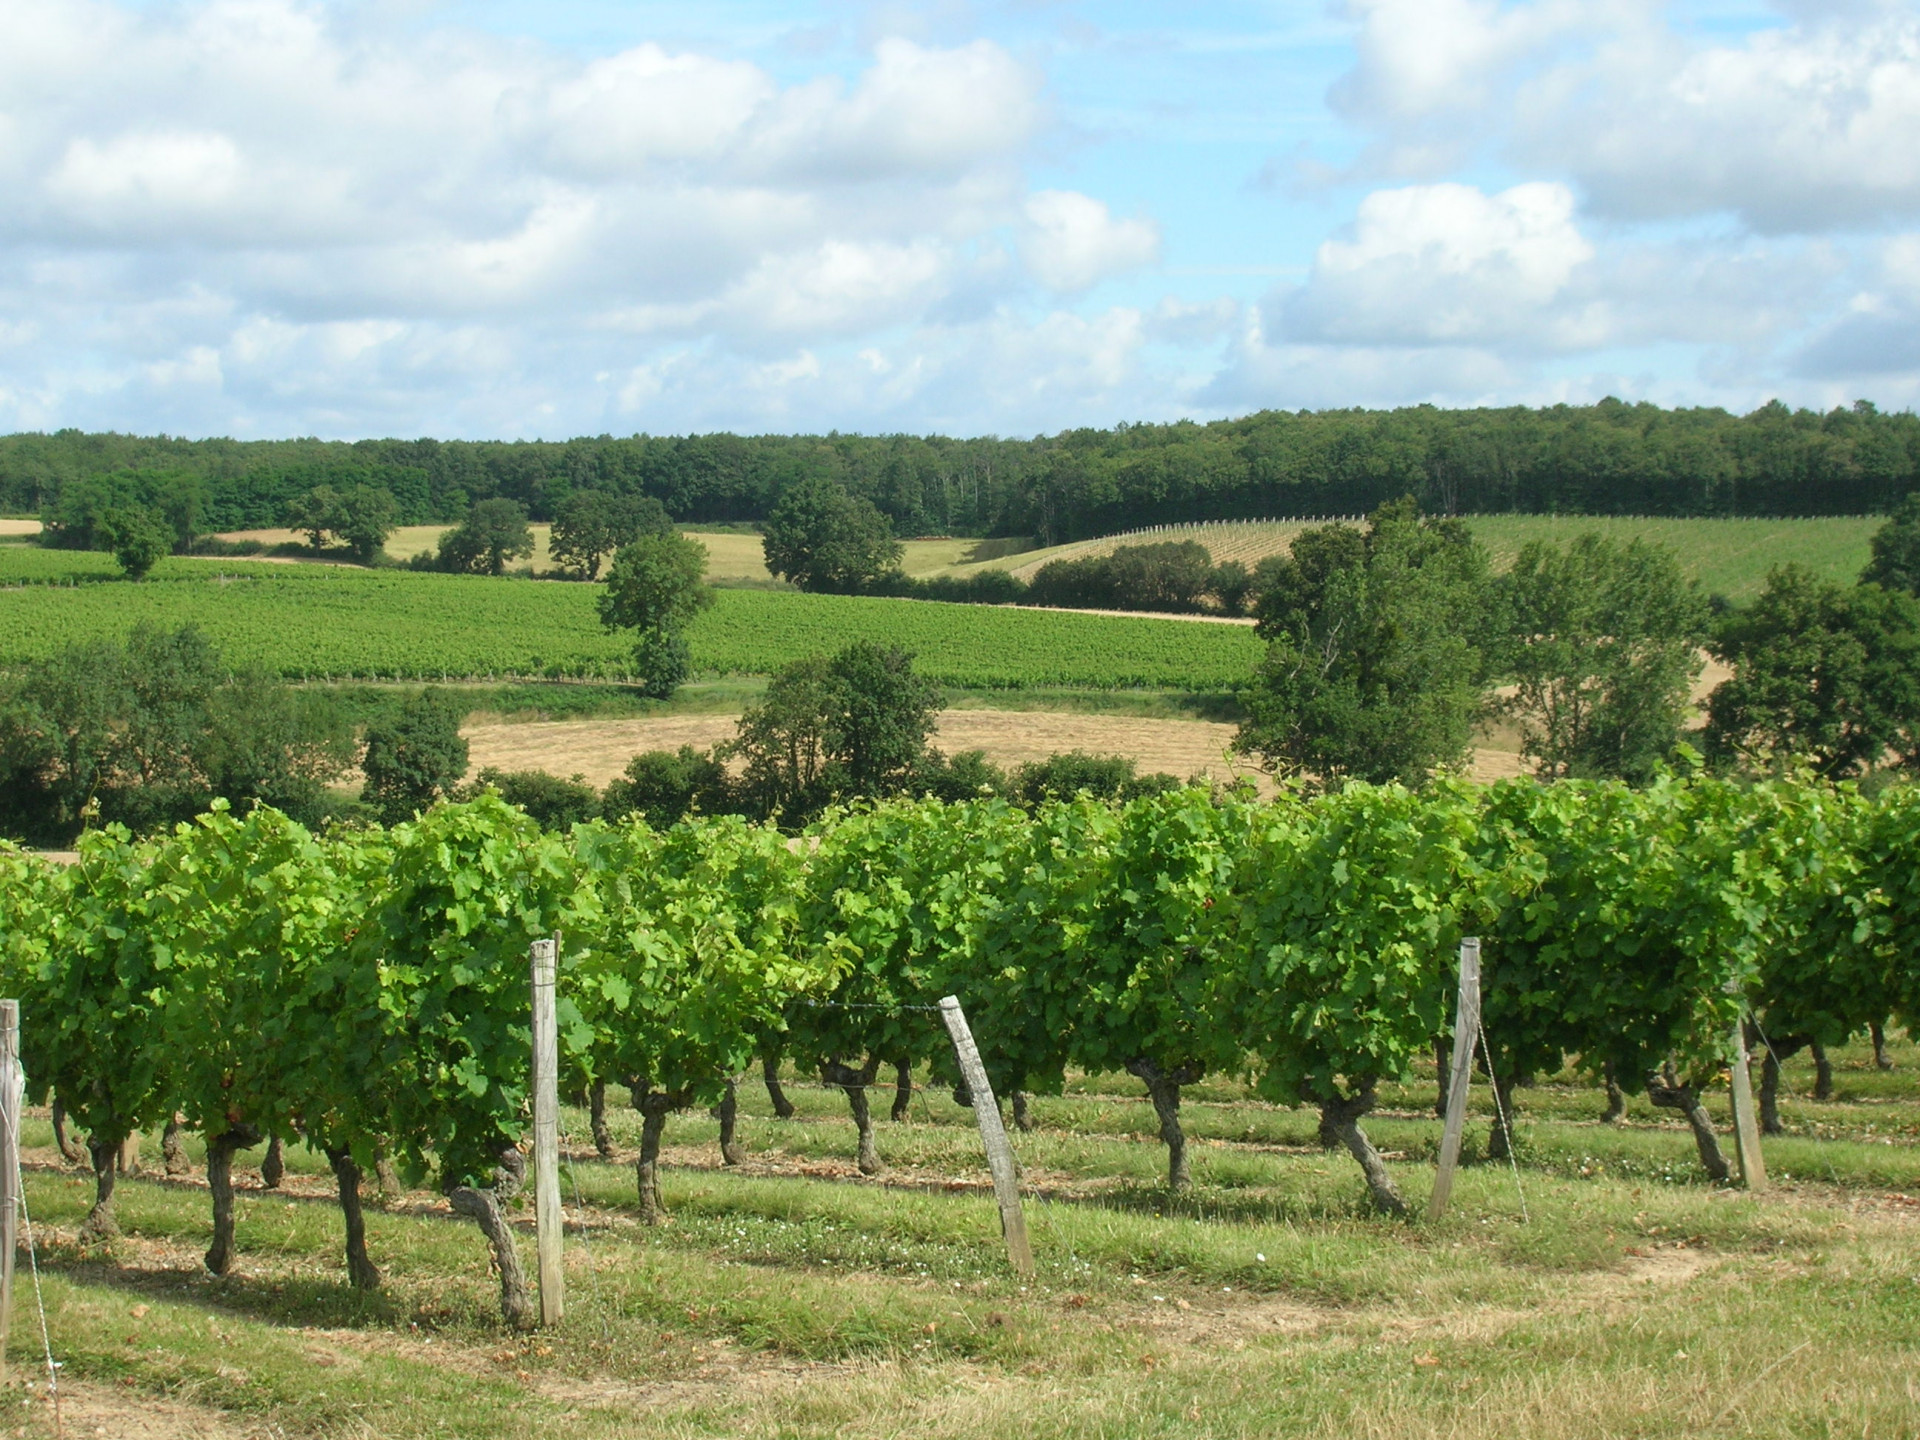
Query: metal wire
12 1141
1506 1124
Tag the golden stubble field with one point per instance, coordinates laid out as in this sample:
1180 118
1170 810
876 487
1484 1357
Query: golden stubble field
598 750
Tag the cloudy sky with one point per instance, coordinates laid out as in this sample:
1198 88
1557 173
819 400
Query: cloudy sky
516 218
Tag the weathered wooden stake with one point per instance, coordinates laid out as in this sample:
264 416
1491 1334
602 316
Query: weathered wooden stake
12 1083
1746 1127
546 1134
993 1135
1466 1025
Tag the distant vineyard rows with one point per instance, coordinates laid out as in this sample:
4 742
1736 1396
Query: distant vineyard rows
310 622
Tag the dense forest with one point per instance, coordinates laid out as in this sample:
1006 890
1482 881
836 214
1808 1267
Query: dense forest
1610 458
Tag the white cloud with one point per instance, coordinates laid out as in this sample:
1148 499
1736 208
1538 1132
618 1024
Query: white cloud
1072 241
1804 127
1444 264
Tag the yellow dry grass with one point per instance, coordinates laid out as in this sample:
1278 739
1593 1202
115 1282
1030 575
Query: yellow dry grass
19 527
598 750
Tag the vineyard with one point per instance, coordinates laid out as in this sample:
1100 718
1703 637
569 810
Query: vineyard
367 992
312 622
1727 557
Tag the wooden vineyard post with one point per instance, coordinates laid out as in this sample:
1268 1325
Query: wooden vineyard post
546 1133
11 1086
993 1135
1466 1027
1746 1128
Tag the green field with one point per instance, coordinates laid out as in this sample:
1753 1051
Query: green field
1598 1290
304 621
1727 557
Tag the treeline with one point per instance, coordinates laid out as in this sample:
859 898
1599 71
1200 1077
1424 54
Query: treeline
367 989
1609 458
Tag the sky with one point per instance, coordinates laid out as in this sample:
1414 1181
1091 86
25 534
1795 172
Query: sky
544 218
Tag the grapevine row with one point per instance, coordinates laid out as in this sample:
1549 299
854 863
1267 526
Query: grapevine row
367 989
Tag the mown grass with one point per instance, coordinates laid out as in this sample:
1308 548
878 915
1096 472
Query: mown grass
793 1299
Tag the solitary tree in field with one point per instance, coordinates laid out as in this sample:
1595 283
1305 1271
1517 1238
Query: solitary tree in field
137 538
1603 646
822 538
494 532
1374 668
1896 549
853 725
413 758
592 524
1829 673
655 587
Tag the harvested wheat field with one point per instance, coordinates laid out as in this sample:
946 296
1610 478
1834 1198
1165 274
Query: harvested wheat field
598 750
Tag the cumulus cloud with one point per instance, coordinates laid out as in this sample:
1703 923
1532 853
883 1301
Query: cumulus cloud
1445 264
1802 127
1072 241
209 191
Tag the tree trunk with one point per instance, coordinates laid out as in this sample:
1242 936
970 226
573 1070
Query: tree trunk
1342 1118
390 1187
1163 1088
100 1224
1822 1074
732 1152
1616 1097
902 1092
1023 1111
220 1153
362 1274
1667 1094
484 1205
855 1083
171 1150
597 1117
70 1150
129 1157
1881 1060
770 1072
273 1165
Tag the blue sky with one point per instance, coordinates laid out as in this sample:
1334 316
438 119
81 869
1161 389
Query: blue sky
497 219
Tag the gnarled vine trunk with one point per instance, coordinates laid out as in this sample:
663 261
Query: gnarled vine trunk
732 1152
390 1187
855 1083
1023 1111
273 1165
1163 1088
1881 1060
1667 1093
597 1118
1822 1074
654 1107
1616 1097
770 1073
484 1204
362 1273
71 1150
105 1153
1341 1118
1500 1137
172 1151
220 1152
1772 1055
902 1091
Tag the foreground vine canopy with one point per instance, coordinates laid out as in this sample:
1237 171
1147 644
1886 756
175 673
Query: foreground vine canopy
367 989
